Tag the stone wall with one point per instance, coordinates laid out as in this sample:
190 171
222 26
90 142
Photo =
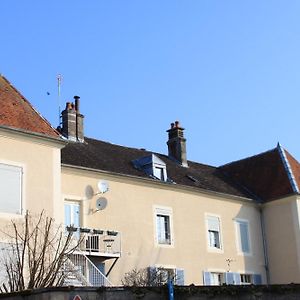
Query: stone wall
274 292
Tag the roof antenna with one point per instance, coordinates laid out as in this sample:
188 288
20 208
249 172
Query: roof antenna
59 80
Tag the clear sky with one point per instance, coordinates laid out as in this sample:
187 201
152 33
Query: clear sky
229 71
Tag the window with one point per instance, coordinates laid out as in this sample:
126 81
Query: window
158 276
213 231
216 278
242 228
232 278
246 278
153 166
163 226
10 189
159 172
165 274
72 215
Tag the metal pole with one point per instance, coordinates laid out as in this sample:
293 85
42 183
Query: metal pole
171 289
59 78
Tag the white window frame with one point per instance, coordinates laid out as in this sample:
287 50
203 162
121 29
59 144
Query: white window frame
210 248
22 190
246 274
161 171
237 223
221 272
221 278
165 211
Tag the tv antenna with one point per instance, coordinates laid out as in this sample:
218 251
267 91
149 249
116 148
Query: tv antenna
59 81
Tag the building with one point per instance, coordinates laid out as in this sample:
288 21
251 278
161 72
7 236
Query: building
137 209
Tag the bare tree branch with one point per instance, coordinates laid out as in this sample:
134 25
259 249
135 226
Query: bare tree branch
36 252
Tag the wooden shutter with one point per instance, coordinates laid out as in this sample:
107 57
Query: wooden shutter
179 277
257 279
237 278
206 278
10 189
229 278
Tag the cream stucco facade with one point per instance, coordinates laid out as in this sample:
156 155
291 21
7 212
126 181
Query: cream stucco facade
134 209
283 239
131 211
39 159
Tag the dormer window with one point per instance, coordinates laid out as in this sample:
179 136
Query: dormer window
159 173
153 166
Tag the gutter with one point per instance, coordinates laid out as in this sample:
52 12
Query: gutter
163 184
40 136
264 239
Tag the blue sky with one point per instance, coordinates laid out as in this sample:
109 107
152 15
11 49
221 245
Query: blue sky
229 71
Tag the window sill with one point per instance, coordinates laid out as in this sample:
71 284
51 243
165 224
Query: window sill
215 250
161 245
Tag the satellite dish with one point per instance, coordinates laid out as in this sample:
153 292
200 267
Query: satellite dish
102 186
101 203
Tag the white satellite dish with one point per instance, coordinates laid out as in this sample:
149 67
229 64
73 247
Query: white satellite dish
102 186
101 203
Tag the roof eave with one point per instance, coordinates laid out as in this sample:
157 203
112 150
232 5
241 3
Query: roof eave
59 140
163 183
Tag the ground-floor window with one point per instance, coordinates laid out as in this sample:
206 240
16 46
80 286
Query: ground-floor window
246 278
217 278
232 278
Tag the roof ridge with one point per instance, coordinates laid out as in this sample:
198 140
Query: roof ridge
30 104
287 168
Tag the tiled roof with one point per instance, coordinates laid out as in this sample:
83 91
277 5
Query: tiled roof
295 168
104 156
17 112
269 175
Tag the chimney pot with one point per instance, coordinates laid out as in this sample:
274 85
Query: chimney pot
77 101
172 125
176 124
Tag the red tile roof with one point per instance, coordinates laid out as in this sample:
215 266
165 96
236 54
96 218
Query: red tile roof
295 168
17 112
268 175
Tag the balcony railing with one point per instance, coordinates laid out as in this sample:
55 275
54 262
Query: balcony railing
98 242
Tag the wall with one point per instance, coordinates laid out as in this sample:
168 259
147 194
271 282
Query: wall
130 210
40 160
279 292
282 232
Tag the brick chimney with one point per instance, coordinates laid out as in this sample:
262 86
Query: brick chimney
177 144
72 122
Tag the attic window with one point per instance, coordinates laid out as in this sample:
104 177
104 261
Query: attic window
159 173
152 166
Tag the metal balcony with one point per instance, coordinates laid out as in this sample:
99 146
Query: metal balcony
95 242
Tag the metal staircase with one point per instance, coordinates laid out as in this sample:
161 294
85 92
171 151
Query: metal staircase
80 271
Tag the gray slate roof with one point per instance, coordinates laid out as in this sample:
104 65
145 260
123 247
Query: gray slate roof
104 156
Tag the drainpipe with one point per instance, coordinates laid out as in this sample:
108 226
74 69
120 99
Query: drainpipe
263 231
